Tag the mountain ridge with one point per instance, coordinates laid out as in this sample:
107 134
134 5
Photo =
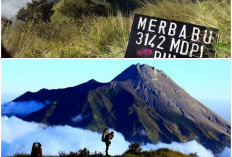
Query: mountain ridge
142 103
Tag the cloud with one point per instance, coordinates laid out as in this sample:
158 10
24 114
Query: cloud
66 138
79 118
142 133
54 139
21 108
225 153
186 148
11 7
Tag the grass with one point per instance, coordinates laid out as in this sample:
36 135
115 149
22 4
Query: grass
164 152
88 37
106 37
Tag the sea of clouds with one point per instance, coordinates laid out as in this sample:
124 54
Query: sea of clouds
18 136
21 108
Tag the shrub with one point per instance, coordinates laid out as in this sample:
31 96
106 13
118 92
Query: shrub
36 11
78 10
84 152
134 148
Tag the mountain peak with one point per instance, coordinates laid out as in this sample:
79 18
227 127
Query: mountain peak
143 66
42 90
137 71
93 81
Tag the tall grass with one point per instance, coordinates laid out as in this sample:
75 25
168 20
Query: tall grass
88 37
107 36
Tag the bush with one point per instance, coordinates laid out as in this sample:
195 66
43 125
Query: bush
38 10
62 154
134 148
84 152
78 10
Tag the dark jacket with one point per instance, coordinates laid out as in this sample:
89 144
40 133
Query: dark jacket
107 139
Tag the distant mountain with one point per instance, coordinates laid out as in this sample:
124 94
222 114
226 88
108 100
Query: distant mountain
142 103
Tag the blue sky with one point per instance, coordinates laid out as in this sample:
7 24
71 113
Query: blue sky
208 80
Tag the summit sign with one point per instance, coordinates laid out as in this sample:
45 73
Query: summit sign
153 37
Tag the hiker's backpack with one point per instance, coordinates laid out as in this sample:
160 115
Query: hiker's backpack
104 133
35 151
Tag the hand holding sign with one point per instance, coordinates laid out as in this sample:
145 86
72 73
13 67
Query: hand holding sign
159 38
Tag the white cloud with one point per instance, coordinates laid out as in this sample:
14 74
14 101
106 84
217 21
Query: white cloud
21 108
11 7
142 133
186 148
66 138
54 139
79 118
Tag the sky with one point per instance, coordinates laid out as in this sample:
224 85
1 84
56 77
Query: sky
208 80
10 7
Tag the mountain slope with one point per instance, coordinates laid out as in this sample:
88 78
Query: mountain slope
142 103
152 85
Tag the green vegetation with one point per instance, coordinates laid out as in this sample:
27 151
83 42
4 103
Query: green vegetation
94 29
77 9
36 11
133 151
49 112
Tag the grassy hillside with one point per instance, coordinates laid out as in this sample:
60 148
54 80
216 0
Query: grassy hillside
107 36
85 153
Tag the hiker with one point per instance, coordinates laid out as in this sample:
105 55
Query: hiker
108 137
36 150
104 133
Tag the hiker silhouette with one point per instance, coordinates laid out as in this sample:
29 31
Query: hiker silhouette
36 150
107 137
